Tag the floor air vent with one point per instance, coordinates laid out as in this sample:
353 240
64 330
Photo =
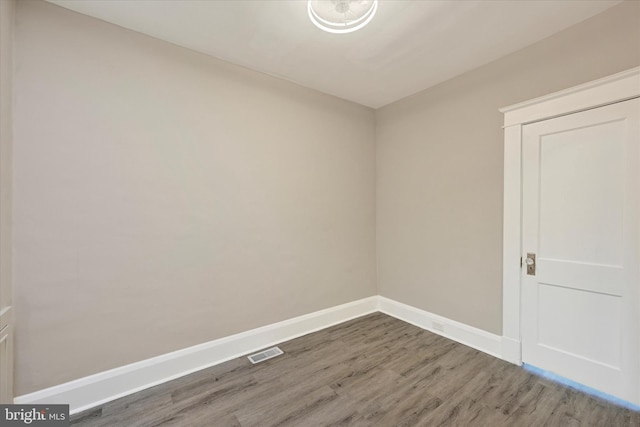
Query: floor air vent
265 355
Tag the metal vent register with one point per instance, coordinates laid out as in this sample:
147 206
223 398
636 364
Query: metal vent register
265 355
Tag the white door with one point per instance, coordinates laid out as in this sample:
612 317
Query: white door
581 219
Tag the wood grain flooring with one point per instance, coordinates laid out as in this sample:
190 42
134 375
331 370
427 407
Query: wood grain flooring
372 371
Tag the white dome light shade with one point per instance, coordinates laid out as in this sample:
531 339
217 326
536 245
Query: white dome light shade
341 16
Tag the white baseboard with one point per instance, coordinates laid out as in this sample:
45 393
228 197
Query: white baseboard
97 389
464 334
94 390
511 350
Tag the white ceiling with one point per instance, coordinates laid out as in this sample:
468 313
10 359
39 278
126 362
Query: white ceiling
408 46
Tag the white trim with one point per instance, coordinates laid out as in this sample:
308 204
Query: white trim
615 88
94 390
511 244
511 350
464 334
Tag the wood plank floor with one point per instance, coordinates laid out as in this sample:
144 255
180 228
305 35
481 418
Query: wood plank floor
372 371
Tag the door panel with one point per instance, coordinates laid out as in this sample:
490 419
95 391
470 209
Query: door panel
581 191
576 311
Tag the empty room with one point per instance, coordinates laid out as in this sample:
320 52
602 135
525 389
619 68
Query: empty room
319 213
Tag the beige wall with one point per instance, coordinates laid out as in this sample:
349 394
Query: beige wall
7 8
439 167
6 135
164 198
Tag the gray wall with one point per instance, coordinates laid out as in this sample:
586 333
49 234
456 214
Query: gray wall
439 167
7 14
164 198
7 11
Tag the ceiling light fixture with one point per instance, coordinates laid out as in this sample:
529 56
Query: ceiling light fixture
341 16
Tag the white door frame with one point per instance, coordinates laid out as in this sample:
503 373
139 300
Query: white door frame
615 88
